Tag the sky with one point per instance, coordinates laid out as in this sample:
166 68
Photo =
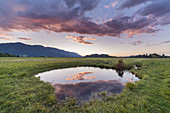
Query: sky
114 27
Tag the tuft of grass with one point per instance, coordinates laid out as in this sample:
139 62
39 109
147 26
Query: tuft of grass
130 85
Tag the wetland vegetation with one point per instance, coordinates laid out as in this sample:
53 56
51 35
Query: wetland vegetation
21 91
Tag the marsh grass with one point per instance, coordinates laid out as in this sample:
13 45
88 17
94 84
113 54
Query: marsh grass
21 91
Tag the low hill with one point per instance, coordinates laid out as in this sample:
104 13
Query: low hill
100 56
25 50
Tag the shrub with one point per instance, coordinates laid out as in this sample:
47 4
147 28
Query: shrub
120 65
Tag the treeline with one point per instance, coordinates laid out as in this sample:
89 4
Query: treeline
7 55
154 55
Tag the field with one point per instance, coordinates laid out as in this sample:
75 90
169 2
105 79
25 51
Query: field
20 91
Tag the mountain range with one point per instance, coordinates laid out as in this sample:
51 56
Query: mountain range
25 50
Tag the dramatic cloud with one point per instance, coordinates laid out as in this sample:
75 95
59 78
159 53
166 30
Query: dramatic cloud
159 10
24 38
137 43
43 14
70 16
82 39
132 3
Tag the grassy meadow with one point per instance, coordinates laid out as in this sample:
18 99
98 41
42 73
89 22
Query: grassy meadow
21 92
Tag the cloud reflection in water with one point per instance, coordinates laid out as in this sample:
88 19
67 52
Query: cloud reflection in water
84 89
81 76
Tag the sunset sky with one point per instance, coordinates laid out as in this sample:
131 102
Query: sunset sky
114 27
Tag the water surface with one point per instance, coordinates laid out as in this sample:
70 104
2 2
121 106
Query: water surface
82 81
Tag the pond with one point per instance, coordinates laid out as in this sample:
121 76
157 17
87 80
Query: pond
82 81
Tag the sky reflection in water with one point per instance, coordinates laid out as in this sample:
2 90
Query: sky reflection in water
82 81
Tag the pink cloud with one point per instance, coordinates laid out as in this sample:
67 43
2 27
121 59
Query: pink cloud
2 38
4 33
82 39
106 6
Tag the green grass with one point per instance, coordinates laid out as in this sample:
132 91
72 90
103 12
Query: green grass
21 92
